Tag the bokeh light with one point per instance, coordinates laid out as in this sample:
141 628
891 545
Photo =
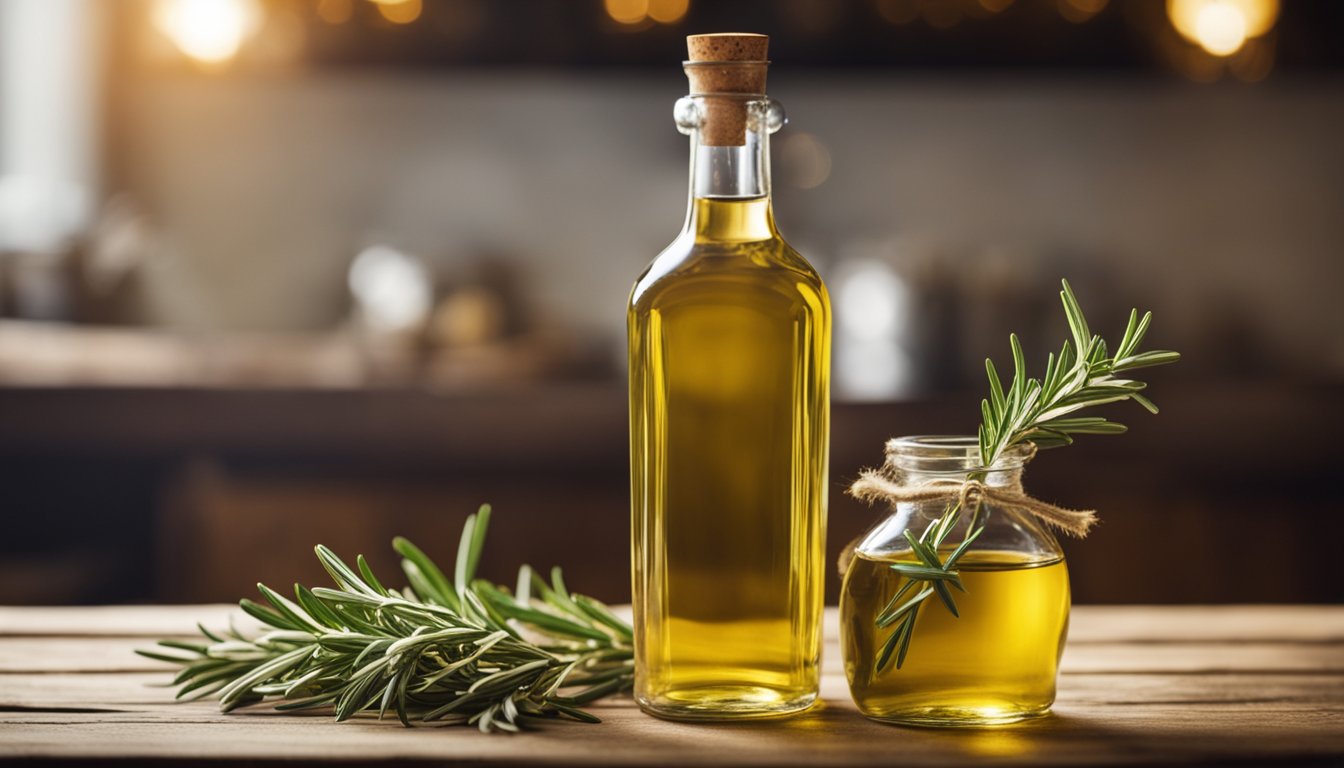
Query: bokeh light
1222 27
668 11
400 11
209 31
335 11
627 11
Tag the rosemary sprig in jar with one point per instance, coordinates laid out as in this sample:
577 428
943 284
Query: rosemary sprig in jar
465 651
1036 411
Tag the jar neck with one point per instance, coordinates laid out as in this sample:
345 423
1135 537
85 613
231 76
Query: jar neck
998 477
924 459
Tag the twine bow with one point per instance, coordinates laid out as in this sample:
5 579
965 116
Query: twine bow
881 485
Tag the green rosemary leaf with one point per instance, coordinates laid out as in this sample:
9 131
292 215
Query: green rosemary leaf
478 540
367 573
908 605
1138 334
996 398
987 413
907 630
962 547
923 551
423 588
168 657
433 586
523 589
1095 428
888 648
1146 360
1077 323
603 615
895 598
1029 410
944 526
266 615
341 573
945 595
287 608
316 608
551 622
912 571
1148 405
1019 367
576 713
431 653
1127 341
462 567
184 646
208 634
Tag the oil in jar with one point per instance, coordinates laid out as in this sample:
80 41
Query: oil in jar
997 663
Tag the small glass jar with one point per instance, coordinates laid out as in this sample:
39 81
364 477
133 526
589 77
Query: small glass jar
995 663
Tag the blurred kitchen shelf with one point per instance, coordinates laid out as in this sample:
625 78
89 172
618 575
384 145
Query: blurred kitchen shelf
199 491
55 354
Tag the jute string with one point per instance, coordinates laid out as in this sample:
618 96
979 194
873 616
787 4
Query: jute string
881 485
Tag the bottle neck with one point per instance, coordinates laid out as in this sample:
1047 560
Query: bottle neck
730 185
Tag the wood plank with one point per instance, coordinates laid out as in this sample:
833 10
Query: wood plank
1223 623
144 691
153 621
1089 623
1078 733
1142 686
117 654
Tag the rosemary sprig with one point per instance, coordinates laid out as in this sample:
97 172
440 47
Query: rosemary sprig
439 651
1030 410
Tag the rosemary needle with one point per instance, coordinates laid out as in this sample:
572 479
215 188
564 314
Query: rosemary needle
439 651
1038 411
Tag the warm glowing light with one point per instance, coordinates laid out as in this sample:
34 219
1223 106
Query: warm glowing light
627 11
1080 11
400 11
209 31
335 11
668 11
1222 27
1260 15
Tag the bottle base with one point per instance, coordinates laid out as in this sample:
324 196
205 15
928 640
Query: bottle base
958 717
726 702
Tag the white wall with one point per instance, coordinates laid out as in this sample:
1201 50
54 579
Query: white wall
1186 195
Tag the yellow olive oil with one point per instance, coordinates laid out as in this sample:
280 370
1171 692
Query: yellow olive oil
729 334
995 664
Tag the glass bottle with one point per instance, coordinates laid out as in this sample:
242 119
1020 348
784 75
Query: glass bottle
998 662
729 334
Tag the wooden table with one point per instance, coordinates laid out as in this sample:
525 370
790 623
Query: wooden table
1140 685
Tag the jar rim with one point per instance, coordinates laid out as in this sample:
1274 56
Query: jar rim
964 450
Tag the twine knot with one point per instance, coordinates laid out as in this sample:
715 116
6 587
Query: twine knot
882 485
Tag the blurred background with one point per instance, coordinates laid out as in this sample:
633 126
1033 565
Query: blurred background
280 272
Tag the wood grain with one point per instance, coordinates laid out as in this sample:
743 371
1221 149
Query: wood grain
1139 686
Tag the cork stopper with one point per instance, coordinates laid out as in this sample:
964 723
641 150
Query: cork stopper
726 63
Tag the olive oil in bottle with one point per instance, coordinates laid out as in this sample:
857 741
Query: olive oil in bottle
996 663
729 333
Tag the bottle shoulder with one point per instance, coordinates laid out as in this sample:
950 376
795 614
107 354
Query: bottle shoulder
688 264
